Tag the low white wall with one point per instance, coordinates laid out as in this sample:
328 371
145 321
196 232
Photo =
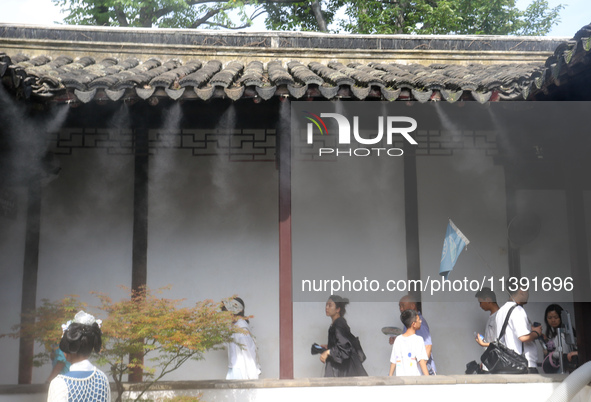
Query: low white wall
444 388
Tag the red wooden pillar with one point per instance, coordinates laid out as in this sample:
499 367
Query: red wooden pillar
139 264
579 261
285 260
575 165
29 286
411 215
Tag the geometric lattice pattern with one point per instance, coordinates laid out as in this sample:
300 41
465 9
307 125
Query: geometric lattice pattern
114 141
93 388
236 144
302 151
441 142
430 143
260 144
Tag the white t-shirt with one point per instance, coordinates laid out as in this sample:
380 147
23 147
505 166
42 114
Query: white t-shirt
531 354
490 333
517 326
407 351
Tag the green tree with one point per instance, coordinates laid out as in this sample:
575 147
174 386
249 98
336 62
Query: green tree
490 17
302 15
159 13
498 17
165 334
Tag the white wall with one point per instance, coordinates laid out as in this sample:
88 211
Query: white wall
348 220
468 189
213 233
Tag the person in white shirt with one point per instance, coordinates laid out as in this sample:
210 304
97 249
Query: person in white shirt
410 302
519 335
409 356
488 302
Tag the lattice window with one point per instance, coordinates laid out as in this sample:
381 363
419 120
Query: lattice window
444 143
116 142
430 143
260 144
237 144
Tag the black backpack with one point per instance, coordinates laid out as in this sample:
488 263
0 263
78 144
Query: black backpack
357 347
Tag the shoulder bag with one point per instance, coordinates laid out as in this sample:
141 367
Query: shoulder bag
499 359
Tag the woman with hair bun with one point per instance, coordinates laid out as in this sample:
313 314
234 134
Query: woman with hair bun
84 382
243 361
340 355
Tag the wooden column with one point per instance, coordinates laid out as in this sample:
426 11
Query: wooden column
29 286
139 267
579 261
513 252
285 254
575 166
411 209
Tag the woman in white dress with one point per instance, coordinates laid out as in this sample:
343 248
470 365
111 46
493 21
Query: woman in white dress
84 382
243 361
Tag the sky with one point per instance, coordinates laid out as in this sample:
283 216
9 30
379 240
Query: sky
576 14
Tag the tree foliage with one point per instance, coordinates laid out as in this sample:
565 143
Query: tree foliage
160 330
158 13
488 17
166 334
301 15
43 325
492 17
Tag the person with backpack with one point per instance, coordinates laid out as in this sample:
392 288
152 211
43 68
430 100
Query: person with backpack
520 335
343 356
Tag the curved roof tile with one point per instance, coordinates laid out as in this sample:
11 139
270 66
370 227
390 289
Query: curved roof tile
50 77
253 74
227 75
202 76
278 74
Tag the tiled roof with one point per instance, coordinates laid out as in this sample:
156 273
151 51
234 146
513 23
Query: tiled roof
86 79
